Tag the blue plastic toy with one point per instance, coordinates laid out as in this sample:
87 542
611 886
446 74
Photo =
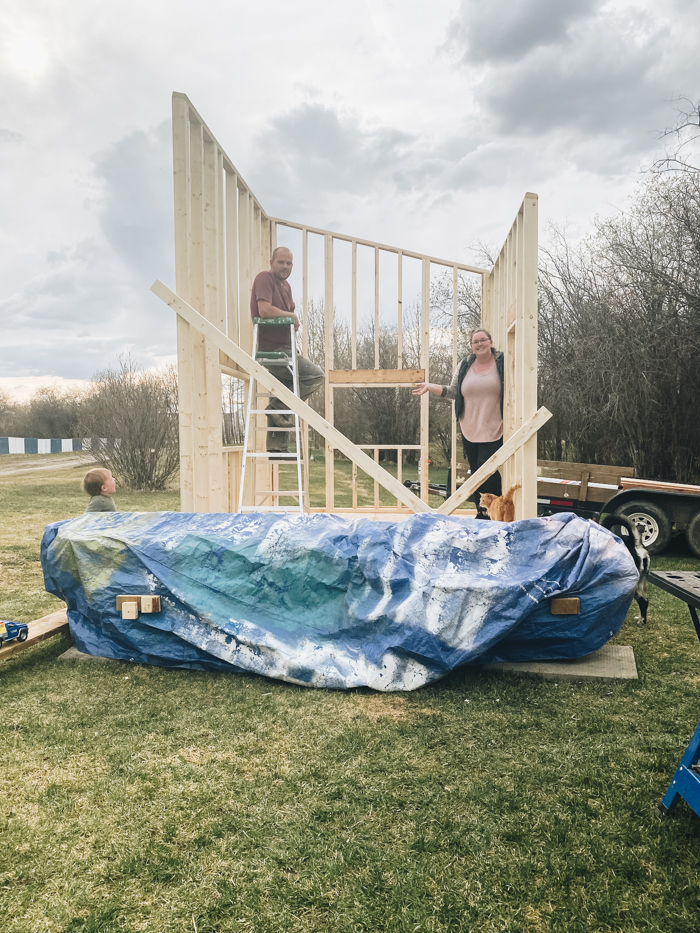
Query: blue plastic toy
9 631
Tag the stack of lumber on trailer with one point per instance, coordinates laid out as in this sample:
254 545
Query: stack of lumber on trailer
579 482
648 484
582 483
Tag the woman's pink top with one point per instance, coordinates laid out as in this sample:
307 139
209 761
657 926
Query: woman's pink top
482 420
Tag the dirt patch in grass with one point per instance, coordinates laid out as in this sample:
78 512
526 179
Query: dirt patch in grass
378 706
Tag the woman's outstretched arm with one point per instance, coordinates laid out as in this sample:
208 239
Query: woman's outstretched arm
447 392
422 387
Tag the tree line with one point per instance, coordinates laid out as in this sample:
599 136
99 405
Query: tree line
619 336
128 415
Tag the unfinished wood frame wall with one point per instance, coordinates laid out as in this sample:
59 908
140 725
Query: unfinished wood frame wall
372 378
509 312
223 238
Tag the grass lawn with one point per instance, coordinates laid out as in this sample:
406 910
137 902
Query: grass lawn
136 798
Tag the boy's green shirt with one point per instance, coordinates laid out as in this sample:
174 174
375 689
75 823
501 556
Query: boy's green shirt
101 504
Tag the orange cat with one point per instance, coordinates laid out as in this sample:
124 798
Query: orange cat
500 508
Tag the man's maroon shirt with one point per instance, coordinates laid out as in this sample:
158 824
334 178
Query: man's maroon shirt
278 292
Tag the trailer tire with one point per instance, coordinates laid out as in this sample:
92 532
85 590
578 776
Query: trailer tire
655 524
692 534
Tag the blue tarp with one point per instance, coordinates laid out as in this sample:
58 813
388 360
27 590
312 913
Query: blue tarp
329 602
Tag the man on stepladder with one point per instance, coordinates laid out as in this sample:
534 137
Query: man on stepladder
272 297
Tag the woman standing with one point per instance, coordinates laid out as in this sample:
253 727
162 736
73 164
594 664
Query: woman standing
477 388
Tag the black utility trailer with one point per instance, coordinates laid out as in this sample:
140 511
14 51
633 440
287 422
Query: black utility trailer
593 490
661 509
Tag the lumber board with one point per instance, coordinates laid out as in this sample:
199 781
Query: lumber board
376 307
399 309
328 314
570 472
214 309
383 246
383 513
353 306
39 630
648 484
599 473
233 308
526 506
455 432
425 364
565 606
572 490
523 434
293 402
373 378
185 377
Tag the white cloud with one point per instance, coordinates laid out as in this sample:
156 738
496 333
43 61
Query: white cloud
22 388
410 123
92 298
507 30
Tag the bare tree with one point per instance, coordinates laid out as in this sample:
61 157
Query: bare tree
620 336
468 306
132 417
233 406
681 140
49 413
6 409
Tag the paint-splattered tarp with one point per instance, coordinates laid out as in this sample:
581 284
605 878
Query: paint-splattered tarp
327 602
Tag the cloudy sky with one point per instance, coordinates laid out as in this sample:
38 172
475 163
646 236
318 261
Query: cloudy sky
413 123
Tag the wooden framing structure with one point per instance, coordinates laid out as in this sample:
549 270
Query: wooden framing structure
223 238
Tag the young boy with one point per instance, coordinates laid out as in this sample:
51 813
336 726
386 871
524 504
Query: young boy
100 485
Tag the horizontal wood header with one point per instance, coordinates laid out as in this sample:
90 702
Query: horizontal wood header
372 378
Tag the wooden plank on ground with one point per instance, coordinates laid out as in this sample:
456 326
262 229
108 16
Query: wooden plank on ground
39 630
611 662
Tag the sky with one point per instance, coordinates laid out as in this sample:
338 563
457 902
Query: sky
419 125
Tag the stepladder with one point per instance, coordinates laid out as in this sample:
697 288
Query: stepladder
264 488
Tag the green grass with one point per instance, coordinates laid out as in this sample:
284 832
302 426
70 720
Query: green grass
136 798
